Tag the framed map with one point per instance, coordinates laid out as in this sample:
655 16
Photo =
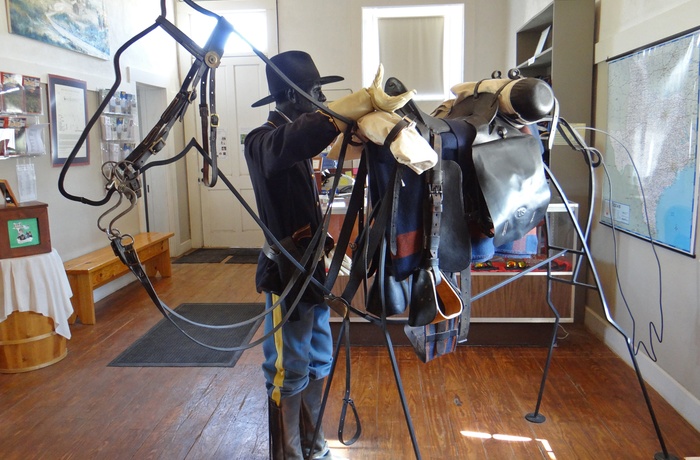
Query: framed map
651 153
77 25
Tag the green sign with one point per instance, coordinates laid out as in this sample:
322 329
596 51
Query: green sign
23 232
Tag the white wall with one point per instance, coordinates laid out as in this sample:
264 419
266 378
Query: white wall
73 225
335 43
622 26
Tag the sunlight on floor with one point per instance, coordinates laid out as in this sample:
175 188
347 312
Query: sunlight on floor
507 437
338 449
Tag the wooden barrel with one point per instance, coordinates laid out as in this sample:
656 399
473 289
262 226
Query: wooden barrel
28 342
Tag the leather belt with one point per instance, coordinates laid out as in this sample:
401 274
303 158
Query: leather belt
271 252
301 237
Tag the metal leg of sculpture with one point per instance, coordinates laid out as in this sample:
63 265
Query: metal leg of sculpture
399 387
536 416
583 240
392 357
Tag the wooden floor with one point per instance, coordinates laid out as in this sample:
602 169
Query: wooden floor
468 405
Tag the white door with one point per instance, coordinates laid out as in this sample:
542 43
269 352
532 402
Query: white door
218 219
240 81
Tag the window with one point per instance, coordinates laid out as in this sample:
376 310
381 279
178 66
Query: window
423 46
252 24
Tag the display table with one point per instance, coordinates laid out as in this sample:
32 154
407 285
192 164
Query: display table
37 284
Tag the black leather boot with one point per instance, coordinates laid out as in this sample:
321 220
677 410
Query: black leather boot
311 399
283 420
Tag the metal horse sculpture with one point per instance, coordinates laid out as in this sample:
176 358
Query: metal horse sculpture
472 135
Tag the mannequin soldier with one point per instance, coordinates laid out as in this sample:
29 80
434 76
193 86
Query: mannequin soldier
298 355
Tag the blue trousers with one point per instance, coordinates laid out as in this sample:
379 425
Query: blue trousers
298 351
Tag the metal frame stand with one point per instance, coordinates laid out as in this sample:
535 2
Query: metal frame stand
554 252
536 416
399 387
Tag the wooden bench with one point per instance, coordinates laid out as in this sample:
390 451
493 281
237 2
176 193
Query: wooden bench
92 270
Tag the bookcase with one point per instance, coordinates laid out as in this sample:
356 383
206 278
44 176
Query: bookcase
557 45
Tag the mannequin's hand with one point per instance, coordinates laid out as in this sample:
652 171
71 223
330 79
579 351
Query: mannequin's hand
354 106
408 148
381 100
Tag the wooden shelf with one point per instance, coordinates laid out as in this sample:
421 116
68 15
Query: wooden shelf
566 56
541 62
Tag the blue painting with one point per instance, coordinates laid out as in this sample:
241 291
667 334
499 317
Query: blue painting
77 25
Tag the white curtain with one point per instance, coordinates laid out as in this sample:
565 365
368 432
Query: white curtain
411 49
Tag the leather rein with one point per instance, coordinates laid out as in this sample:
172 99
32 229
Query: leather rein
123 178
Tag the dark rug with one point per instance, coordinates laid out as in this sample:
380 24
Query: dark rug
243 256
220 255
166 346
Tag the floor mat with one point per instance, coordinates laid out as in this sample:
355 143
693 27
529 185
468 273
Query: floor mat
166 346
243 256
219 255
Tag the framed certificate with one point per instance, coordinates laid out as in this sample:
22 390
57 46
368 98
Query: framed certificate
68 117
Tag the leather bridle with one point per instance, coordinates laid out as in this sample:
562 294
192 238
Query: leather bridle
123 178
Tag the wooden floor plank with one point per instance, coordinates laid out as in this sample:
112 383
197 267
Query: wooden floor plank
466 405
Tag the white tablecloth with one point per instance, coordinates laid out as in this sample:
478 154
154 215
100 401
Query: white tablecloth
39 284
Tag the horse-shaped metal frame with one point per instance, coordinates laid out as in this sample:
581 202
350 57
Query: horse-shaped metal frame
123 180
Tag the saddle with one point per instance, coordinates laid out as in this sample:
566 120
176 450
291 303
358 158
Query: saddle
505 191
487 188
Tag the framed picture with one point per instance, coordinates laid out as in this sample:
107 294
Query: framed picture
24 230
7 195
79 26
655 183
67 118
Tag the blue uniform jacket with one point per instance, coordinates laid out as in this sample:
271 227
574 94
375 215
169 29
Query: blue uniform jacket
279 155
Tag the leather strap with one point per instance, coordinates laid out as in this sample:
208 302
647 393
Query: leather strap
347 400
432 243
128 255
404 123
353 214
210 122
465 286
372 238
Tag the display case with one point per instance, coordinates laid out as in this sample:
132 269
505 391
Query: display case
524 300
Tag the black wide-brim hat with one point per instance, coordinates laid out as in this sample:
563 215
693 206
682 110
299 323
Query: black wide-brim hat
299 68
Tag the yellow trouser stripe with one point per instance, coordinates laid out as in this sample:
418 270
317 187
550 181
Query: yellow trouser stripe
279 376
